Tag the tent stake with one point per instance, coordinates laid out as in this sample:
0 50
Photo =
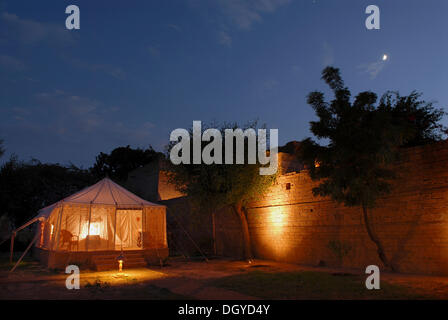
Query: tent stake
24 253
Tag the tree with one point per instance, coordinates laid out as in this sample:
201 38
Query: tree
26 187
121 161
421 117
211 187
354 167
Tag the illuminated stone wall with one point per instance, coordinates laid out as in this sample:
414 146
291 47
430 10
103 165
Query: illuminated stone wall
292 225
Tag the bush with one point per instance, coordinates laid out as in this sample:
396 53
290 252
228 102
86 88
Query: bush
5 227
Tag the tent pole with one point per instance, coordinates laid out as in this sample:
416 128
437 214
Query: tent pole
13 235
12 246
24 253
79 231
88 227
57 229
115 227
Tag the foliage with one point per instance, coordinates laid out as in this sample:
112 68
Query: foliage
5 227
420 116
215 186
363 140
121 161
26 187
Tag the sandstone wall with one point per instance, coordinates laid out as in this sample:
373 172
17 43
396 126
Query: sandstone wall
290 224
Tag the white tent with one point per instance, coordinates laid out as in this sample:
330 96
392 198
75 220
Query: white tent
102 217
104 192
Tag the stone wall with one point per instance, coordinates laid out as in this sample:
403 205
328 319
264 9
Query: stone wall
150 182
290 224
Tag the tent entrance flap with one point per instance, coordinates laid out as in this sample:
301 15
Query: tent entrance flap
129 229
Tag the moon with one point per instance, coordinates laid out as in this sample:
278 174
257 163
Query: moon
385 57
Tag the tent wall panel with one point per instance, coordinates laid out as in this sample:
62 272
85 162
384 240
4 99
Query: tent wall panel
55 234
155 220
129 229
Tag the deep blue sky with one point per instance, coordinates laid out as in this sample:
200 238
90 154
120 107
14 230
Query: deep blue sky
138 69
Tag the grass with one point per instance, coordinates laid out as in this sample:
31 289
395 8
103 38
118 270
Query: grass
28 265
310 285
6 265
149 292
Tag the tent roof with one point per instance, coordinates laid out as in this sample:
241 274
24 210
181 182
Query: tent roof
105 192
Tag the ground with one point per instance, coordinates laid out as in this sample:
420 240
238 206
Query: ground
215 279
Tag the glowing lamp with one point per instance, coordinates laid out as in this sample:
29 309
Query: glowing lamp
94 229
120 259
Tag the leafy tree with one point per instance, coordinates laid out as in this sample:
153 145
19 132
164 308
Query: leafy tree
421 117
354 167
211 187
121 161
26 187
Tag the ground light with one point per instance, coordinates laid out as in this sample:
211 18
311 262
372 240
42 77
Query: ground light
120 260
120 265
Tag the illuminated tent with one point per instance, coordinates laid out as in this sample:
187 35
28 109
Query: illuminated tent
102 217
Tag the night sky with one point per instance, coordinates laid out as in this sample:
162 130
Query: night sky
136 70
